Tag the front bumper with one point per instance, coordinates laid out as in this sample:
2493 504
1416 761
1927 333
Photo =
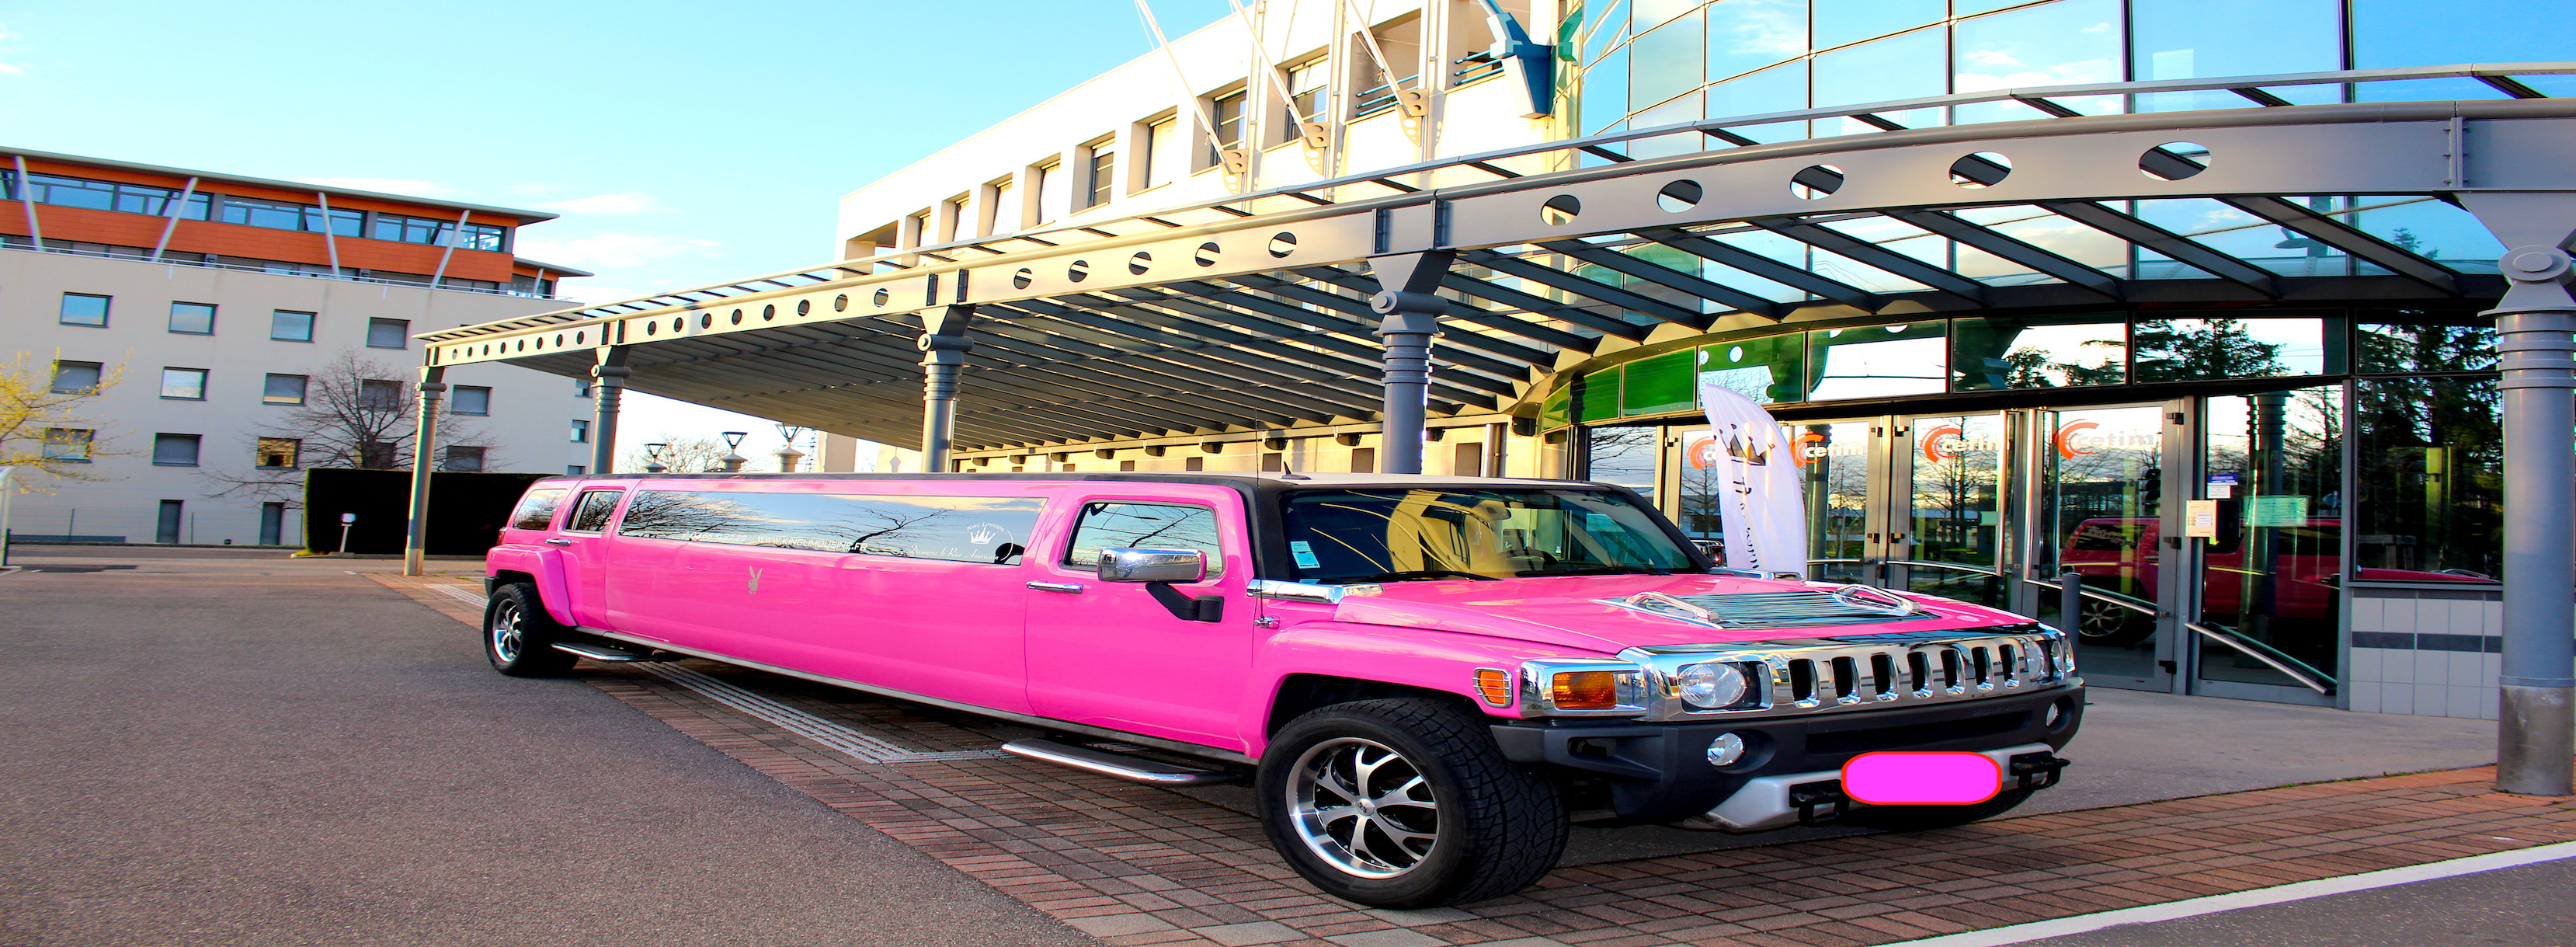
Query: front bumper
1660 772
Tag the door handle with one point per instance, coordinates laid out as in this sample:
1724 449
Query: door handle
1072 587
559 542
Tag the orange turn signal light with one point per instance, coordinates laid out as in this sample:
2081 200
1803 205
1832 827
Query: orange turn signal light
1495 685
1585 690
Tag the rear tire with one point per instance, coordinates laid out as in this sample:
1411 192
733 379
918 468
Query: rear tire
519 637
1927 818
1406 803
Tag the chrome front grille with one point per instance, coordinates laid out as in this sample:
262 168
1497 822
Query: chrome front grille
1860 672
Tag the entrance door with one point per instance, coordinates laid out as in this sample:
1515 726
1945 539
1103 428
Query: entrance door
2100 511
1951 473
2267 623
167 529
1842 465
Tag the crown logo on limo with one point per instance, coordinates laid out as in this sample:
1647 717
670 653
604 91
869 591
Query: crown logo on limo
982 535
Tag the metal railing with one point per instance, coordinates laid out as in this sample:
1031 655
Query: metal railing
2269 656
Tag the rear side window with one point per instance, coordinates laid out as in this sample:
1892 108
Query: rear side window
1145 525
590 515
537 509
956 529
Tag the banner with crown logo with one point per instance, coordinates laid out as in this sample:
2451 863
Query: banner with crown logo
1756 481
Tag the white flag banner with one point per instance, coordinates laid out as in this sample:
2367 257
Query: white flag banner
1756 484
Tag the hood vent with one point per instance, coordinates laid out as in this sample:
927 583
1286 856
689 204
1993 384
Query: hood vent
1801 609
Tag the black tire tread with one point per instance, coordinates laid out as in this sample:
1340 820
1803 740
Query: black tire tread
1523 818
537 657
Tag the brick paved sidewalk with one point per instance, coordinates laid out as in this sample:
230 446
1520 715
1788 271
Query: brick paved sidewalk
1132 864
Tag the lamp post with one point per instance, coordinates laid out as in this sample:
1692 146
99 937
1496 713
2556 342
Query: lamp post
653 458
733 458
787 453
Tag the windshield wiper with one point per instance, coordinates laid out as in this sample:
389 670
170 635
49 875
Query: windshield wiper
1423 574
1597 570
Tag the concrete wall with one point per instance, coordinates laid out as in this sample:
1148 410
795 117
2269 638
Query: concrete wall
529 428
2427 652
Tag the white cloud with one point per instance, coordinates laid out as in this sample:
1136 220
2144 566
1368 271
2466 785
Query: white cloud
629 202
614 249
8 44
385 185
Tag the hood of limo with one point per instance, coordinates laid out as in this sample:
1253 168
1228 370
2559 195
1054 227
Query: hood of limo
1611 612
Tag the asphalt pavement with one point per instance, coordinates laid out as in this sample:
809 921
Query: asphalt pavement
230 748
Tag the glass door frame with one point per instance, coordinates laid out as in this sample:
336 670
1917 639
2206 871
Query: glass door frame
2176 574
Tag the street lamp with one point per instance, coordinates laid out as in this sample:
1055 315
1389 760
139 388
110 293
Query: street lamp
733 458
787 453
653 458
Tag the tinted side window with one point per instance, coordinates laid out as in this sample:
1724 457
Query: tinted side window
537 509
1155 525
590 515
956 529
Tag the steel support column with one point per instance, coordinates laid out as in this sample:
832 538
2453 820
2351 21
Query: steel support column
607 391
1408 316
943 345
2536 329
424 448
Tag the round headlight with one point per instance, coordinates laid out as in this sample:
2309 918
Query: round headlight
1710 686
1725 750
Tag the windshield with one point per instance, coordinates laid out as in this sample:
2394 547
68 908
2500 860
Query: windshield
1393 534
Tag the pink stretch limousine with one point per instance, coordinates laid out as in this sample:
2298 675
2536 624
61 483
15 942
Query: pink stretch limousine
1426 679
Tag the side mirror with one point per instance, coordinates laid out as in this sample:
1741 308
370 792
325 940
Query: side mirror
1152 565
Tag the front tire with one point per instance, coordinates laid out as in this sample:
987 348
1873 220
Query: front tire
519 637
1406 803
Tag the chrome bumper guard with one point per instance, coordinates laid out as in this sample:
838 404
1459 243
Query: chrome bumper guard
1778 802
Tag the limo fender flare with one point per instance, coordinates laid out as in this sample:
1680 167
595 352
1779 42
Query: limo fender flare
1412 659
546 566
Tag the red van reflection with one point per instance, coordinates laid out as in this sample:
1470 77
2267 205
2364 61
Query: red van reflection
2122 556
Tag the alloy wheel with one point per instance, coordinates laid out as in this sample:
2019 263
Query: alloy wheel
508 632
1363 808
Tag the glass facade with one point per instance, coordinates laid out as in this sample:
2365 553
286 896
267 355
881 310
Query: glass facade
1650 62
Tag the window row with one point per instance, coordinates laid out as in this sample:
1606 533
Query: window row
372 395
77 445
252 212
186 318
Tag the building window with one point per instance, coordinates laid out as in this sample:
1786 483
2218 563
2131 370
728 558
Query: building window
68 444
380 395
102 195
1153 168
378 455
1002 212
388 333
1226 113
580 432
575 470
83 309
192 318
1050 188
278 215
284 389
183 384
287 325
1100 176
174 450
436 233
280 453
462 459
1309 89
581 388
471 399
77 378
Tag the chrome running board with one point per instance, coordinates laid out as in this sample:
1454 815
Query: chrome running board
602 652
1120 765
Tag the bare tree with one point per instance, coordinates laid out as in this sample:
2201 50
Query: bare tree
681 454
40 424
357 413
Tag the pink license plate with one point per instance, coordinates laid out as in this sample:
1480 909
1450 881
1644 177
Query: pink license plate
1922 779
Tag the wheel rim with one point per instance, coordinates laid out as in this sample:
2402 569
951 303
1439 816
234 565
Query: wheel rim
1363 808
2101 620
508 633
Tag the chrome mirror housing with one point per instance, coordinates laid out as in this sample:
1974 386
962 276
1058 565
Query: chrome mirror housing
1152 565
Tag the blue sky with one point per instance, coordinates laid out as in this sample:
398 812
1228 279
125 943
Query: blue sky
683 143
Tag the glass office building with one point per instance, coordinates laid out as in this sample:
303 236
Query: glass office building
2343 434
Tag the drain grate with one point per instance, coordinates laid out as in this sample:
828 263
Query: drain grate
839 737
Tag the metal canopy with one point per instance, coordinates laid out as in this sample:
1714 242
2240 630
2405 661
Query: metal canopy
1253 313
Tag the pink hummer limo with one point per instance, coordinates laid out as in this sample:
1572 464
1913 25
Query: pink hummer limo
1425 679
